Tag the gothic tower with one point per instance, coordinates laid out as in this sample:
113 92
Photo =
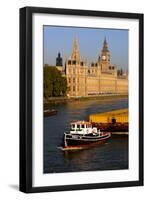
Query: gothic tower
59 60
75 56
105 57
76 72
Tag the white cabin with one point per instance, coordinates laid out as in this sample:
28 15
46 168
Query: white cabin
82 127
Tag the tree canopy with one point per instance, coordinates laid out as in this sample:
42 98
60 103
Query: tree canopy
55 84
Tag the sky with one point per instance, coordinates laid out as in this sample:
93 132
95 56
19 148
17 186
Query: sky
60 39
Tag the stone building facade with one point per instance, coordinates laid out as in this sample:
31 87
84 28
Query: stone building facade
100 77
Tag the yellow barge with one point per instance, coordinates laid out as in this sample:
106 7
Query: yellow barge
116 116
116 120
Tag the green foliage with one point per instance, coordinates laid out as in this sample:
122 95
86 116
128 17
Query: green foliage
55 84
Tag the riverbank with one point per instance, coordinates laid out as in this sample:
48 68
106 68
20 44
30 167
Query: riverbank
102 97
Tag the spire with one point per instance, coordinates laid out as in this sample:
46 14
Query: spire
59 60
105 46
99 56
75 52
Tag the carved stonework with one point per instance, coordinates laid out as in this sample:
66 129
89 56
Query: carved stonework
94 79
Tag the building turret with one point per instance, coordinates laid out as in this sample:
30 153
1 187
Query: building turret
105 46
59 60
76 71
105 56
75 51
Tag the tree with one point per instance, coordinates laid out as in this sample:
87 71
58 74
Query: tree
54 83
48 87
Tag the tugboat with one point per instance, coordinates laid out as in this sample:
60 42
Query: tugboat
83 135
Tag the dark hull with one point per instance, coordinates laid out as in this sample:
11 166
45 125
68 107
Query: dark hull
85 142
49 113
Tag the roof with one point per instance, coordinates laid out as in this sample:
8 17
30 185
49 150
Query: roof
81 122
113 112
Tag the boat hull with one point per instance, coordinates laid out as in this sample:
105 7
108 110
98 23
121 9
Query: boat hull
49 113
85 142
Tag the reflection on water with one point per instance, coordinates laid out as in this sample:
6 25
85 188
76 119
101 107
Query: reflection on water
111 155
98 158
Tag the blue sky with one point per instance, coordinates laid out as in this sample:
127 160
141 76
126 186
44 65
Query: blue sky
60 39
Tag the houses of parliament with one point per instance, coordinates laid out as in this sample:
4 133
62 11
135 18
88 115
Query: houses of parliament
100 77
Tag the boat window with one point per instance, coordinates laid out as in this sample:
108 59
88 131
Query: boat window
83 126
78 126
72 126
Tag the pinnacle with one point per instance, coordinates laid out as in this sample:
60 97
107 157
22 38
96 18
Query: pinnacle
75 52
105 46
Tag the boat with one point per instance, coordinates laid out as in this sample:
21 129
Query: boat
83 135
49 112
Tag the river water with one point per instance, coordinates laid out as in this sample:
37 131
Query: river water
112 155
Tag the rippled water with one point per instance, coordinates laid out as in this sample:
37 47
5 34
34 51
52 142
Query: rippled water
109 156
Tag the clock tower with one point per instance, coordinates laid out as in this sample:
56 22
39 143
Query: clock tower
105 57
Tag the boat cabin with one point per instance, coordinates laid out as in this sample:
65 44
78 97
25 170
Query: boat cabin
80 127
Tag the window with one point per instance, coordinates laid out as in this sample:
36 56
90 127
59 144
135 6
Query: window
72 126
78 126
69 62
83 126
74 62
73 80
74 88
69 80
